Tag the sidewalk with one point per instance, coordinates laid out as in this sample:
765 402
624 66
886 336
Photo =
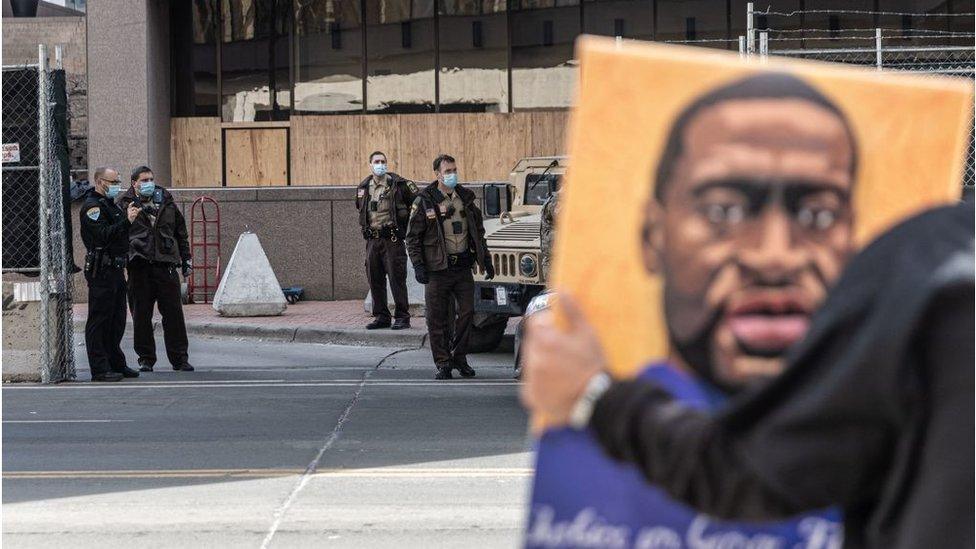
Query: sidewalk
329 322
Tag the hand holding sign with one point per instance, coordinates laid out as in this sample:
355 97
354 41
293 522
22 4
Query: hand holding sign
559 360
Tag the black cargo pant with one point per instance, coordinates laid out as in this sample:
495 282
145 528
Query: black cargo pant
445 288
106 321
386 258
157 284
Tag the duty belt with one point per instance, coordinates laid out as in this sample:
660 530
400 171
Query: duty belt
384 233
463 260
114 262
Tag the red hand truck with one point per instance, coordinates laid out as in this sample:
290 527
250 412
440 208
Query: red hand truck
205 248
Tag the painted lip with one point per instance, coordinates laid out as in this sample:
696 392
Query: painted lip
768 322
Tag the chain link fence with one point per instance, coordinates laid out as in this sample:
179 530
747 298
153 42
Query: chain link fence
36 214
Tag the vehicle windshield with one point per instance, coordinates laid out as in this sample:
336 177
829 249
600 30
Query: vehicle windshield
537 188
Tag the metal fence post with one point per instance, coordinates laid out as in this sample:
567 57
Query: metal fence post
742 47
877 49
42 205
750 30
763 45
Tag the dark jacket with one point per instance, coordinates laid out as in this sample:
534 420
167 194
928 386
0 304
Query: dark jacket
425 233
873 413
404 192
104 225
164 241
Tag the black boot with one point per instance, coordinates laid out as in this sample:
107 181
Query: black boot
443 373
463 368
401 324
129 372
378 323
185 367
145 366
107 376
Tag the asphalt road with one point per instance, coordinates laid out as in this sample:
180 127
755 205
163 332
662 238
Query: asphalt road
269 445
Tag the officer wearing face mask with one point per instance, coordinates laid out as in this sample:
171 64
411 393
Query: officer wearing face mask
158 252
105 232
446 237
383 200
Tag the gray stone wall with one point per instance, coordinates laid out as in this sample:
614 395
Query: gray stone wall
20 39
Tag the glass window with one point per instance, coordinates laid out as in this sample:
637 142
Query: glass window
544 73
194 58
400 56
689 20
473 56
840 28
255 76
626 18
328 56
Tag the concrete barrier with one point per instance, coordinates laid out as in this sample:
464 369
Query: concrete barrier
249 287
21 331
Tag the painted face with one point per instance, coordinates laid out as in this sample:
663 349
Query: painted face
756 224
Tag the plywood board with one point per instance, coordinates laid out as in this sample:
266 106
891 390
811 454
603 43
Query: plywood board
493 143
324 150
256 157
195 152
548 132
379 133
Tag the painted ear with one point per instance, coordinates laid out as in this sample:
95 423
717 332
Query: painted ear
652 237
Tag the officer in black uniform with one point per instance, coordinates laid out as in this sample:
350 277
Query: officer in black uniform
158 250
105 232
445 237
383 200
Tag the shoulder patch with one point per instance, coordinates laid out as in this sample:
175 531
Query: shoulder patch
413 187
361 192
93 213
431 214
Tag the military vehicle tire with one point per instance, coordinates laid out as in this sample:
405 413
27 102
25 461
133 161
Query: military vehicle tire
487 331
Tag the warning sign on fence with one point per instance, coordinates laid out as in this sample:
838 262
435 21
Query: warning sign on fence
11 152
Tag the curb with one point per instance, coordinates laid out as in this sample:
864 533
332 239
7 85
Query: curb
414 337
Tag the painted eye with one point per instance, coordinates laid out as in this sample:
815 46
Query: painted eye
816 218
724 214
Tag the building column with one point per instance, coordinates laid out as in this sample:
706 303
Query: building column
128 85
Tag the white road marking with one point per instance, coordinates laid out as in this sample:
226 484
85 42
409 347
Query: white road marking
226 385
68 420
378 472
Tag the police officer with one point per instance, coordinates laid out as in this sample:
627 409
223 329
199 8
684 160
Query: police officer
158 249
383 200
445 238
105 232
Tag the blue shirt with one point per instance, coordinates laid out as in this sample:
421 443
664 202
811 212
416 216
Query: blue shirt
582 498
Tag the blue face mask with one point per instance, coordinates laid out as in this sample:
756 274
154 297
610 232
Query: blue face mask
379 170
113 191
450 180
146 188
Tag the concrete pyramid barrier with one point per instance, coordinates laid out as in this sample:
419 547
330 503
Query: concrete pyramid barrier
249 286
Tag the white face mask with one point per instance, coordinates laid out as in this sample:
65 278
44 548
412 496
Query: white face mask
379 169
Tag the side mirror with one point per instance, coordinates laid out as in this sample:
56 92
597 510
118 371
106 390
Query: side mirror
493 200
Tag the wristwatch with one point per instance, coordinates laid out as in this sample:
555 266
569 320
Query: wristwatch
579 417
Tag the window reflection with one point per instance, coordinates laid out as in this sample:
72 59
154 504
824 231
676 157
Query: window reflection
473 56
544 73
328 56
400 55
625 18
255 79
194 58
680 20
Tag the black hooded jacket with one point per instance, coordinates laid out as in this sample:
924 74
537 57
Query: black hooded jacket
874 412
